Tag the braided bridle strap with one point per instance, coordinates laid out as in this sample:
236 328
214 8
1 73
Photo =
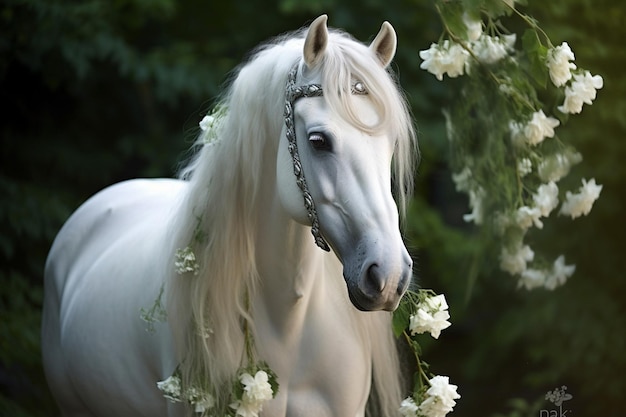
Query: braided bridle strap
293 93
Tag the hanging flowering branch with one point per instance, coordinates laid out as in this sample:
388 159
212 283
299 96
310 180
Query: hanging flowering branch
424 312
506 154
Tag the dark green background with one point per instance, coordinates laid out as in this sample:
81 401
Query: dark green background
97 91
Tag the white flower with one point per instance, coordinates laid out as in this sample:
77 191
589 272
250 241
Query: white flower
186 261
514 260
200 400
448 58
581 91
256 391
408 408
491 49
559 65
557 166
431 316
440 398
539 127
476 198
257 388
474 27
517 133
435 303
462 180
532 278
547 198
579 204
559 274
207 122
526 216
524 167
170 388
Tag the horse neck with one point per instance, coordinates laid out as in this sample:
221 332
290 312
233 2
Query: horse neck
292 270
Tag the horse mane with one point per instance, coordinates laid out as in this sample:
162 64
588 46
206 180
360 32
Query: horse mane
218 218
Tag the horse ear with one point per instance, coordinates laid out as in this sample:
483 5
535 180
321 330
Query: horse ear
384 45
315 42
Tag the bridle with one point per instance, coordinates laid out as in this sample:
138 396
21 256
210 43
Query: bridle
293 93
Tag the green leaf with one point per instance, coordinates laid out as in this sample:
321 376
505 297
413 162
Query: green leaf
400 320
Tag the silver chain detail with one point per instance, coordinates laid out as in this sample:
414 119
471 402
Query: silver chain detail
294 93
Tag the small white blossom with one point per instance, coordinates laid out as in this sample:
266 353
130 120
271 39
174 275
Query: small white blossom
440 398
449 58
524 167
491 49
547 198
581 91
476 198
186 261
257 388
559 274
559 65
170 388
580 203
527 216
539 127
431 316
256 391
557 166
200 400
532 278
207 122
517 133
408 408
514 260
474 27
463 179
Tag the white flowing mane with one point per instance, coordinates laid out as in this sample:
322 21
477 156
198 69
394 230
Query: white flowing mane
218 217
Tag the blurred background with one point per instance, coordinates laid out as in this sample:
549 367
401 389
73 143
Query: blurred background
94 92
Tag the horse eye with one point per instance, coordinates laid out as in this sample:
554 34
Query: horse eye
319 141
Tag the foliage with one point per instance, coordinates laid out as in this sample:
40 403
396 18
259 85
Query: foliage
98 91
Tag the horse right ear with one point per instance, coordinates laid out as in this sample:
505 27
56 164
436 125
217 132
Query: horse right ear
316 41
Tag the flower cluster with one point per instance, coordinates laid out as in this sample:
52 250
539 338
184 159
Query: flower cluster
249 394
455 59
173 391
431 316
438 401
507 156
210 124
185 261
256 391
420 312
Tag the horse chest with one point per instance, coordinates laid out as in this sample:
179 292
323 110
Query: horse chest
323 371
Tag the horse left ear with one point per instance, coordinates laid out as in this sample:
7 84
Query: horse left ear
384 44
316 41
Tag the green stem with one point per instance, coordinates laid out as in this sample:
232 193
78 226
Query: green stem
423 377
529 22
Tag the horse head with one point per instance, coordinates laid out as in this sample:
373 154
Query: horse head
345 144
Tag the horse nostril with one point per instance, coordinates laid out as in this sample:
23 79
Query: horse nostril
375 279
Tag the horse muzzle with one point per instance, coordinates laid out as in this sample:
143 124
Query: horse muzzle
378 284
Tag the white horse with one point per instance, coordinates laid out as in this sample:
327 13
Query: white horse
314 113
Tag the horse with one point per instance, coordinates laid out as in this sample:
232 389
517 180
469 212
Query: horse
316 138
